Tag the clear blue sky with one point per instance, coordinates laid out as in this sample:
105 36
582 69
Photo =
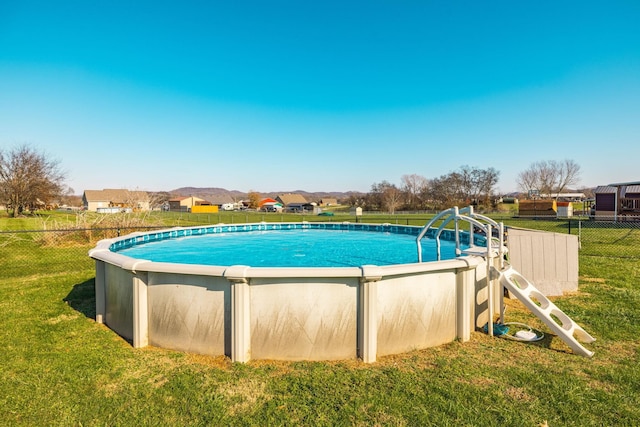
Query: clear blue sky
319 95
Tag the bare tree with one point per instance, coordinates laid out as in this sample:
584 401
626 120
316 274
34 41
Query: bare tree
466 185
28 179
527 180
386 196
479 184
568 175
413 186
549 177
69 198
159 200
356 199
446 191
135 200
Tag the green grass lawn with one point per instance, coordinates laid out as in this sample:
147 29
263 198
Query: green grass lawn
59 367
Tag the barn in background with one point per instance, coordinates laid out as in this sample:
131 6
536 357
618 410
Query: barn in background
618 202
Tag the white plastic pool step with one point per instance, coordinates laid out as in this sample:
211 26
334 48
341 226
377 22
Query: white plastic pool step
546 311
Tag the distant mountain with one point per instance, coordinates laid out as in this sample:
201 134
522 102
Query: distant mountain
208 192
215 193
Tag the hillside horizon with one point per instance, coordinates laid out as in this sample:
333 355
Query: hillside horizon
216 192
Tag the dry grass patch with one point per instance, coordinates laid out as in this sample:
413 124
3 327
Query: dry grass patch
277 368
150 365
62 318
243 394
519 394
381 419
481 382
588 279
614 353
206 361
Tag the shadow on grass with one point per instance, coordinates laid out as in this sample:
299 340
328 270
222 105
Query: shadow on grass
546 342
83 298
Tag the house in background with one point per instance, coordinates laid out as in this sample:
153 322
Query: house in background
618 202
270 205
294 202
186 203
115 200
224 202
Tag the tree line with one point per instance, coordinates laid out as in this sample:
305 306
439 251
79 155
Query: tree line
31 180
467 185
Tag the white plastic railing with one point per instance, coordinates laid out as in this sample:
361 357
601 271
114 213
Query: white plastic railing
454 214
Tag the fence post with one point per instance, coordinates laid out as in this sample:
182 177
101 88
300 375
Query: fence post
579 234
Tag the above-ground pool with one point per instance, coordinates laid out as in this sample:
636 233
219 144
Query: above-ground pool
300 245
288 291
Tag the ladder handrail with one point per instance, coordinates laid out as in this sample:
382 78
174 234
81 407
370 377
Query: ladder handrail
455 214
425 229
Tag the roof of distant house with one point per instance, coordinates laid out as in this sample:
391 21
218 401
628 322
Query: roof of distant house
267 201
114 195
291 198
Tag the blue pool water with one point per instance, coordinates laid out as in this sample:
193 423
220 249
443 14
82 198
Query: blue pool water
291 248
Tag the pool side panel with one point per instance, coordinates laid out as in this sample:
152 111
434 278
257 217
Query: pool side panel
119 300
416 311
190 313
304 319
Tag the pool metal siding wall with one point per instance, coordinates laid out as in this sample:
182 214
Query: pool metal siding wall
119 300
293 319
190 313
416 312
287 318
290 313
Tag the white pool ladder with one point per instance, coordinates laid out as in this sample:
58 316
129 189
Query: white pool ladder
546 310
508 277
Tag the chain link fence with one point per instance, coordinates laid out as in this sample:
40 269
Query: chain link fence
51 251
